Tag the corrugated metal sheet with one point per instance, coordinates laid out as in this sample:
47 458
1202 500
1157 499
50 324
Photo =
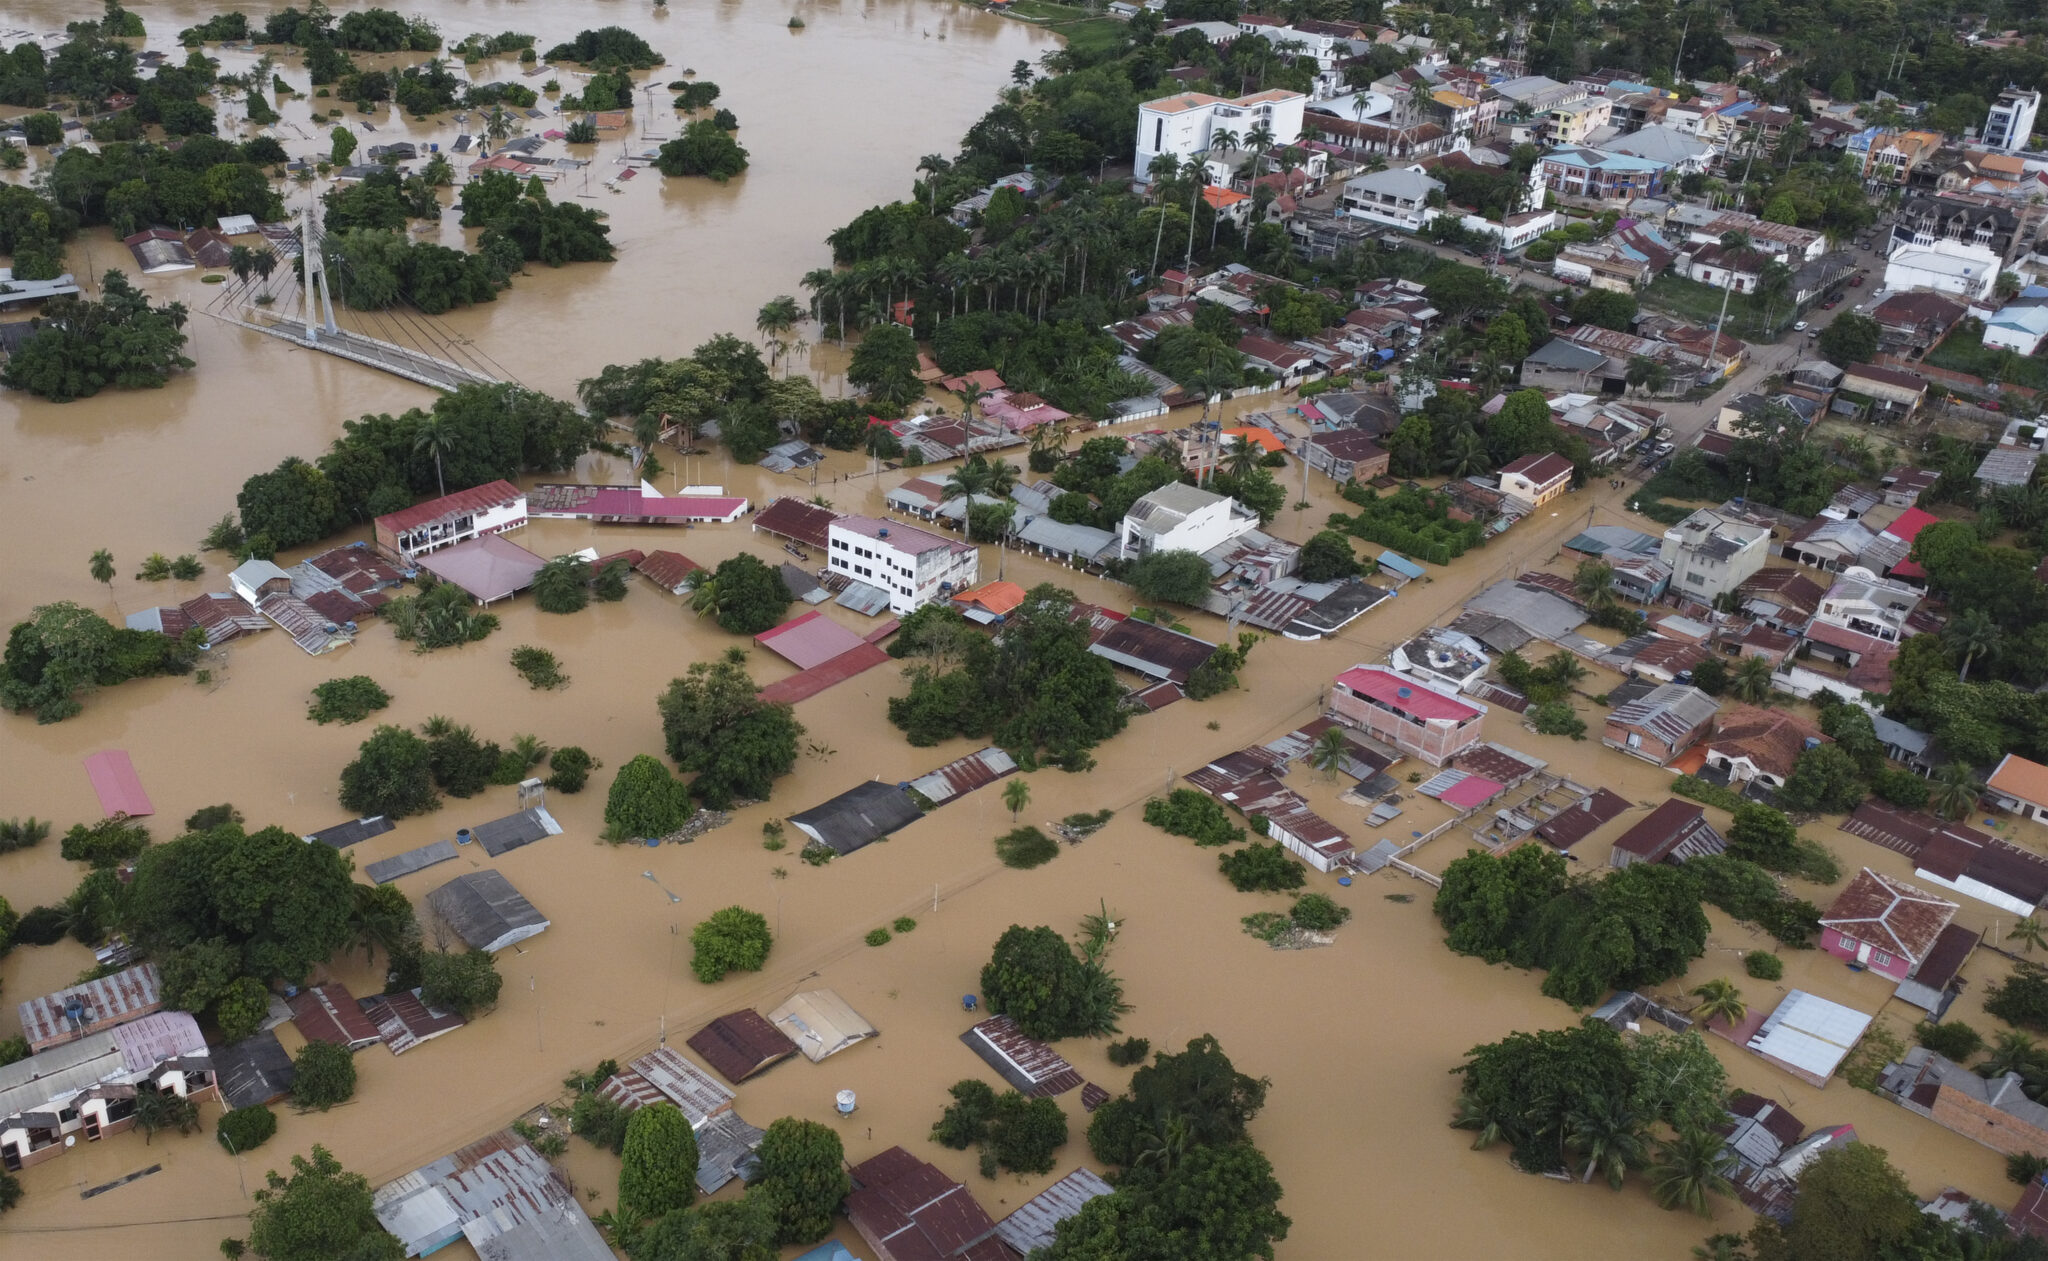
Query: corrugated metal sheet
821 1023
118 786
725 1150
863 598
111 1000
386 870
405 1021
1026 1063
668 570
808 640
963 775
254 1071
664 1076
329 1013
741 1044
343 835
498 1192
486 911
514 830
794 519
1031 1226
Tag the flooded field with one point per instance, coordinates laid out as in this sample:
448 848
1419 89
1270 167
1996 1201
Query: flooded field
1356 1038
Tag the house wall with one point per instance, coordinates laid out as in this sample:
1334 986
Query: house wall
1435 743
424 539
1636 742
912 580
1520 487
2024 809
1211 526
1883 962
1998 1130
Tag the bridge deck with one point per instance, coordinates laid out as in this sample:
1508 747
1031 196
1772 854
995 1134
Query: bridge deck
369 351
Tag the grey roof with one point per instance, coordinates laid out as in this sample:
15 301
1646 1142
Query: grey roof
803 584
1171 504
1396 182
1566 354
386 870
486 911
510 1202
1031 1226
256 572
2008 466
253 1071
864 598
343 835
1670 712
1544 614
1894 734
725 1150
515 830
1082 541
1659 144
858 817
1923 1067
1614 540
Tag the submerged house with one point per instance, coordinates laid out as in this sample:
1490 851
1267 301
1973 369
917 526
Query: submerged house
492 508
1885 925
86 1088
507 1200
486 911
1414 717
907 1210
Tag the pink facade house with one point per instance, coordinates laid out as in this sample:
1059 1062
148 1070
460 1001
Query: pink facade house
1018 412
1419 720
1886 925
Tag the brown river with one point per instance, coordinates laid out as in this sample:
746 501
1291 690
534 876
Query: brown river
1357 1038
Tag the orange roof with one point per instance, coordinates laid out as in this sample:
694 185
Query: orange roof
1264 439
1185 101
1220 197
1270 94
997 596
2018 778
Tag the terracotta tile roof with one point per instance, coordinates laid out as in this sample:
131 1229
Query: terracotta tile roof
1890 914
2020 779
1771 738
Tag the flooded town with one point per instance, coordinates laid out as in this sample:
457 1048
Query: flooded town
1014 630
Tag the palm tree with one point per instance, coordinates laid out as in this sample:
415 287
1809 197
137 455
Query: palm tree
1953 790
777 317
497 123
1329 751
1465 453
1016 796
1223 138
103 568
817 280
2028 933
1472 1116
931 164
2011 1052
1002 478
1752 681
1609 1133
1721 1247
1719 997
1565 667
1258 140
704 593
1690 1168
1167 1141
971 478
435 435
1970 634
1243 458
1594 583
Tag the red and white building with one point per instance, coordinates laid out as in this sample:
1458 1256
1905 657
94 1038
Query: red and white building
1535 480
1886 925
914 566
1419 720
492 508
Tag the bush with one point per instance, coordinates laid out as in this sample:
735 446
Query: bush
1024 1132
877 937
646 801
965 1121
1900 787
105 844
1315 911
463 983
732 940
392 776
562 585
42 926
571 767
2024 1167
347 700
538 667
243 1129
599 1121
1025 848
1558 718
1195 815
1763 965
1262 869
324 1075
903 924
1265 925
659 1170
1129 1051
13 1051
1951 1038
2021 999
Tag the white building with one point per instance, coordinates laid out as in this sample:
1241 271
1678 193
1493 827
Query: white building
1962 268
1178 517
2017 328
2011 119
1397 196
1183 124
1711 552
914 566
1861 601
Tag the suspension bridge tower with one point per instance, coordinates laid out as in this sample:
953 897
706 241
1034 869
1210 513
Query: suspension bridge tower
316 304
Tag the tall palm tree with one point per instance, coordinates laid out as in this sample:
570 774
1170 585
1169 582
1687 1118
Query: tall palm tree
1465 453
1472 1116
1259 139
931 164
1002 478
2011 1052
102 568
1594 583
1719 997
1970 634
1689 1169
1751 681
1243 458
1953 790
435 435
2029 933
1609 1133
778 316
1165 1143
1016 796
817 280
1327 754
971 478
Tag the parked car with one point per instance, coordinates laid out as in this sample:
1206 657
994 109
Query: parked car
1664 448
1800 327
1830 304
1856 281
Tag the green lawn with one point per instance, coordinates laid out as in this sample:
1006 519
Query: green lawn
1046 11
1964 351
1092 34
1701 304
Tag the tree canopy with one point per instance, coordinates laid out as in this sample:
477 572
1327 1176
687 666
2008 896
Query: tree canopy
704 148
717 726
321 1213
80 347
659 1170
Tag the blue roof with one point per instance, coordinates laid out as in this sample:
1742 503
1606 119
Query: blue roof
1622 85
1738 109
1401 565
1596 159
830 1250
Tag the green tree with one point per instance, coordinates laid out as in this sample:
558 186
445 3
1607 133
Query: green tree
1327 556
803 1178
103 568
1016 795
704 148
1690 1168
884 366
1954 790
723 1230
2028 933
1031 976
1219 1203
562 585
80 347
1763 836
164 1110
1719 1000
751 596
290 506
463 983
1610 1135
392 776
1171 577
1199 1085
320 1213
323 1075
1261 868
1849 339
1024 1132
1522 427
659 1170
732 940
1852 1204
1825 779
244 1129
715 724
343 146
1752 680
645 801
278 904
1605 308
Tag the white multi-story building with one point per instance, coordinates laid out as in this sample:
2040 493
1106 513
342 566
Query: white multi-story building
914 566
1184 123
1397 196
1869 605
1963 268
1711 552
1182 518
2011 119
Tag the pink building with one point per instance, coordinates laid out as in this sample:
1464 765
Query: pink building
1018 412
1416 719
1884 924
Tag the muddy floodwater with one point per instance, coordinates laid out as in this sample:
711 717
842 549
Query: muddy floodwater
1356 1038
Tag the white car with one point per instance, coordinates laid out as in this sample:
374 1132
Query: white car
1800 327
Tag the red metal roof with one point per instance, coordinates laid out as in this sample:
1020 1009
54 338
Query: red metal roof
1026 1063
111 1000
1582 818
668 569
795 519
329 1013
120 789
1892 914
907 1210
475 499
742 1044
809 640
1910 523
1540 469
1404 695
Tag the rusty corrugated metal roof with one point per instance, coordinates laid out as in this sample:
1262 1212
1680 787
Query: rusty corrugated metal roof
111 1000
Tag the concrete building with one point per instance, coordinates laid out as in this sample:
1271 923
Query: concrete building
1674 832
1711 552
1420 720
1681 154
1760 744
1994 1112
1602 176
492 508
1535 480
2010 120
86 1088
1962 268
1397 197
1179 517
2020 786
1184 123
1347 455
914 566
2019 329
1861 601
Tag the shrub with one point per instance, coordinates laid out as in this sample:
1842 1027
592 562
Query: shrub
347 700
463 983
2021 999
903 924
1195 815
13 1050
392 776
562 585
42 926
538 667
1763 965
324 1075
965 1121
1025 848
1024 1132
1951 1038
242 1129
877 937
1900 787
22 833
1558 718
1129 1051
105 844
1262 869
1266 925
1315 911
2024 1167
600 1121
732 940
571 767
645 801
